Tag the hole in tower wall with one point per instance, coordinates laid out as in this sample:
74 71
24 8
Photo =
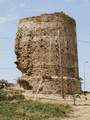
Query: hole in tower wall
24 84
40 89
46 77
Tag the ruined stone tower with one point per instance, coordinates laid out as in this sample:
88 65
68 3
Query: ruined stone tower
46 50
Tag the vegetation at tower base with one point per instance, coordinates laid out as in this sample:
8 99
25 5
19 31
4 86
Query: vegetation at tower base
46 51
13 106
5 83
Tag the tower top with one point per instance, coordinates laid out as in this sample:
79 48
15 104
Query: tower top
48 17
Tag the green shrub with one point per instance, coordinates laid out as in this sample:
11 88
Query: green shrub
5 95
13 106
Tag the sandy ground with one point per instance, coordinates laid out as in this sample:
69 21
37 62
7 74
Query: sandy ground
82 109
80 112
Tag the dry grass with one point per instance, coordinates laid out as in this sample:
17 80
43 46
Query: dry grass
18 108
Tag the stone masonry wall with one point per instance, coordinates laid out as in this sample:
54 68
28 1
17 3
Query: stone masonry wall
46 50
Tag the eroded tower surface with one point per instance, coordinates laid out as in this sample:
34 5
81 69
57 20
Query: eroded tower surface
46 50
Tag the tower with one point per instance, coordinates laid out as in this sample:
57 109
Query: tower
46 50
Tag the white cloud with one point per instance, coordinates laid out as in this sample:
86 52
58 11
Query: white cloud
22 5
7 19
77 0
17 7
70 0
85 0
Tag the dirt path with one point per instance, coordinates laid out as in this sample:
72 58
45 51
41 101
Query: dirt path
81 110
80 113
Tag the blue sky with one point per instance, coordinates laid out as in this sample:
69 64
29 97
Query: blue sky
12 10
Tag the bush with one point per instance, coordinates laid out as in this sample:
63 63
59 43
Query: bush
8 95
5 83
